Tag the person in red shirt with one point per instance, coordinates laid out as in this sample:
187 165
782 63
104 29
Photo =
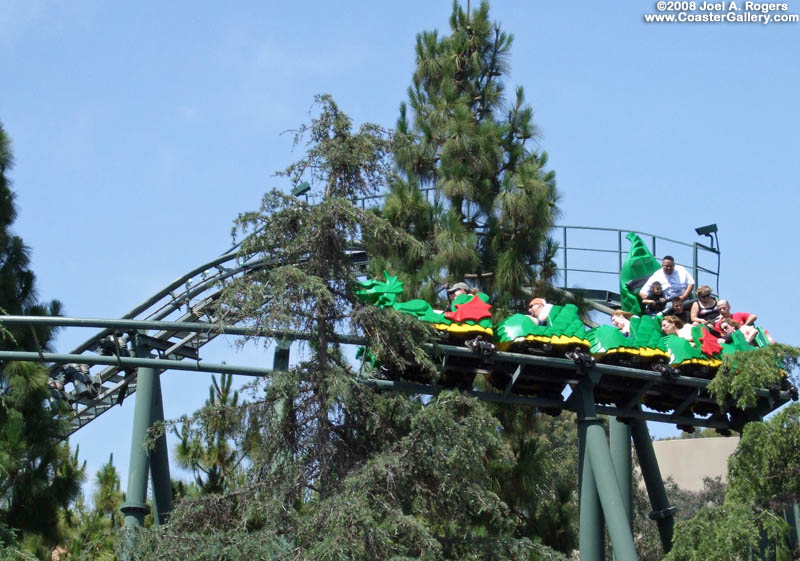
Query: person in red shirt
724 307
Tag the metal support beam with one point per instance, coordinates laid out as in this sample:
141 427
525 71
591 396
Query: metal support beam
637 397
493 397
792 517
135 507
513 380
662 513
597 470
280 360
591 528
159 462
688 400
620 443
610 496
176 326
147 362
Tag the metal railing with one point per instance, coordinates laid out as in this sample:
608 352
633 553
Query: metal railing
703 261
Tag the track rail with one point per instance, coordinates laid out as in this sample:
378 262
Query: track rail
687 397
187 299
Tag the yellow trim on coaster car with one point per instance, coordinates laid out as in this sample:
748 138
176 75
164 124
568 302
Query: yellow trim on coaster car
710 362
462 328
653 352
637 351
569 340
558 340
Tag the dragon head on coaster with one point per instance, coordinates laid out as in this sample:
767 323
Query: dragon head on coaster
469 315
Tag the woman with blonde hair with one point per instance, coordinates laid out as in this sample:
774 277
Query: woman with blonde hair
622 321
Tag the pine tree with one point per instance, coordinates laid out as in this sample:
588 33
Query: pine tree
489 206
763 473
108 496
92 531
345 471
494 201
208 446
17 281
38 476
541 488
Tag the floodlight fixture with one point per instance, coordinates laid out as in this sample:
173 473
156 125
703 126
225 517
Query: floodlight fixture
710 231
706 230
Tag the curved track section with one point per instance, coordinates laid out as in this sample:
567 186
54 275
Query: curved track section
186 299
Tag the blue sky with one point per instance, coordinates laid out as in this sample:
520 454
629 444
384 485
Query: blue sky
141 130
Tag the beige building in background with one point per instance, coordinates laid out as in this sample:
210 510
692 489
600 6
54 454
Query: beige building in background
689 460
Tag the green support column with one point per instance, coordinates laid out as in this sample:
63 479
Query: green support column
159 462
620 443
135 507
792 517
662 513
597 467
591 537
591 532
610 496
280 360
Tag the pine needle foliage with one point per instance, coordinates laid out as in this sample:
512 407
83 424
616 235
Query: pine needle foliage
730 532
108 496
341 470
743 374
541 487
38 476
17 280
93 530
208 442
471 183
765 469
688 503
763 482
474 188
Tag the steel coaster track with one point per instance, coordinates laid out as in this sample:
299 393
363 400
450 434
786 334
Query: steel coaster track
687 397
186 299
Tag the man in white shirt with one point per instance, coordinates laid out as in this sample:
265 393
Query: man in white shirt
675 280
